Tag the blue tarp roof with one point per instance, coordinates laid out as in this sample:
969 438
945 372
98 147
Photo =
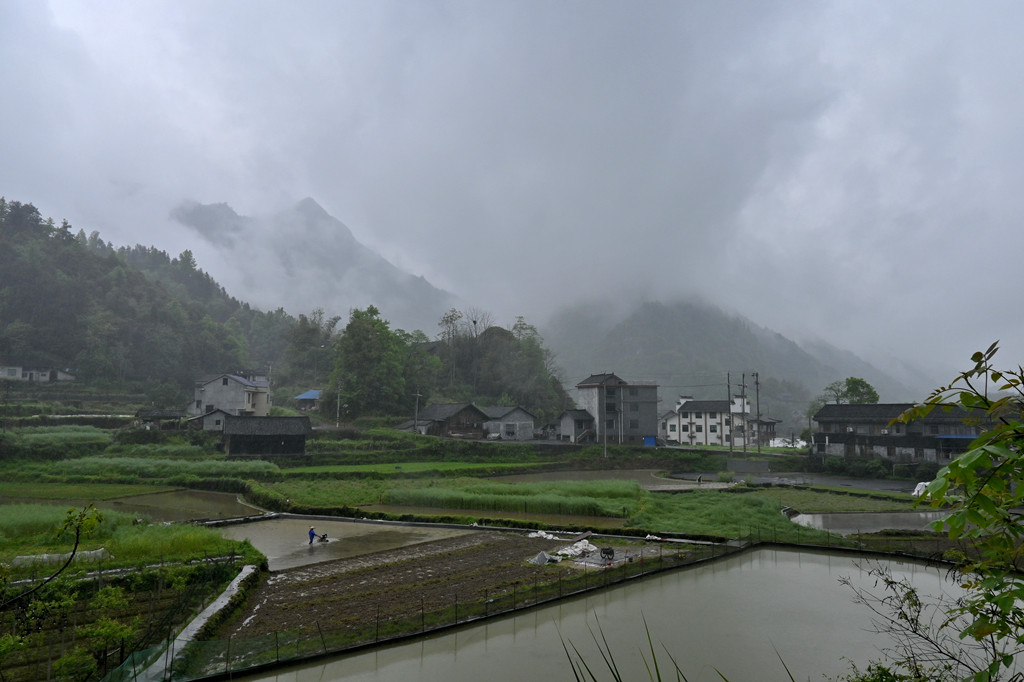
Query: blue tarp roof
309 395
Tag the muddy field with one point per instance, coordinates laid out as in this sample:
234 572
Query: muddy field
357 591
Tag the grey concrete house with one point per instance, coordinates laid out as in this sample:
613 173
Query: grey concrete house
576 426
509 423
241 395
625 413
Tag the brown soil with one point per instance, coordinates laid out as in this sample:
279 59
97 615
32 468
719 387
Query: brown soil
357 591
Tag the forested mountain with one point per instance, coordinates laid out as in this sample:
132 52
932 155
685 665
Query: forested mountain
139 318
74 302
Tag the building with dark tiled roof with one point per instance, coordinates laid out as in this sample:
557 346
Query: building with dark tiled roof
451 420
265 435
509 422
870 430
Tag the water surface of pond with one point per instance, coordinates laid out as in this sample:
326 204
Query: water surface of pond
733 615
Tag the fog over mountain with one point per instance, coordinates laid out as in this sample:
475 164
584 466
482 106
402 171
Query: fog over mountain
843 171
260 260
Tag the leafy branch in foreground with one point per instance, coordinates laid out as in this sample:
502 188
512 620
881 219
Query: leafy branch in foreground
982 492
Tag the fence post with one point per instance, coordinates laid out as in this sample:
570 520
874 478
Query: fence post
227 656
323 642
456 609
423 618
376 626
277 648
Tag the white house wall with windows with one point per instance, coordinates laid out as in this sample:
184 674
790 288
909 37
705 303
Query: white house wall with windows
707 422
241 396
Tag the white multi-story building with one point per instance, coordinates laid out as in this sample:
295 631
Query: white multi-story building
709 422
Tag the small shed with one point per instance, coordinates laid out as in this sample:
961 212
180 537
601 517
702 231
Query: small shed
244 436
309 400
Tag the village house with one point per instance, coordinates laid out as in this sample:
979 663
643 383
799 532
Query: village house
716 422
450 420
243 394
40 375
621 412
265 435
869 430
509 423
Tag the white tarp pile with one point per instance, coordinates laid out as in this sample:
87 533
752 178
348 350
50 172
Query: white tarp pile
577 549
544 535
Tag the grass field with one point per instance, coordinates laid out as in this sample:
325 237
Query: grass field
60 492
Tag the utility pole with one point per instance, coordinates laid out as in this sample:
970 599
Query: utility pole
732 419
337 413
743 399
416 415
757 407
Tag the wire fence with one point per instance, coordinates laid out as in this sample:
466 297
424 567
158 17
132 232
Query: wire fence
181 661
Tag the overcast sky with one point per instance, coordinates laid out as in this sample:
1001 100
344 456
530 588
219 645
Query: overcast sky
844 170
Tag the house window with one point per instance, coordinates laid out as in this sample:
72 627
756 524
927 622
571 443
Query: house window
684 415
713 428
699 428
632 390
634 407
216 422
610 424
609 391
580 424
224 381
686 427
712 415
697 415
634 423
672 428
609 407
199 404
727 421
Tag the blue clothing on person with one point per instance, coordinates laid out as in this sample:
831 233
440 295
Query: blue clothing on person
312 534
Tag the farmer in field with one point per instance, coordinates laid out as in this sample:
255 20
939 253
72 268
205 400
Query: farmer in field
312 534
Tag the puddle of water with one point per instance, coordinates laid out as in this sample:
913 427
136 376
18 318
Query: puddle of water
847 523
285 541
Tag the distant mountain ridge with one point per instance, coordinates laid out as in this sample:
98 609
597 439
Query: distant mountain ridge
314 261
692 348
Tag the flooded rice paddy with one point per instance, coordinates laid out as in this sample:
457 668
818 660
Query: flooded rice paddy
285 540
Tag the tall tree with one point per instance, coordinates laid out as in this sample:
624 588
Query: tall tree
853 391
370 372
